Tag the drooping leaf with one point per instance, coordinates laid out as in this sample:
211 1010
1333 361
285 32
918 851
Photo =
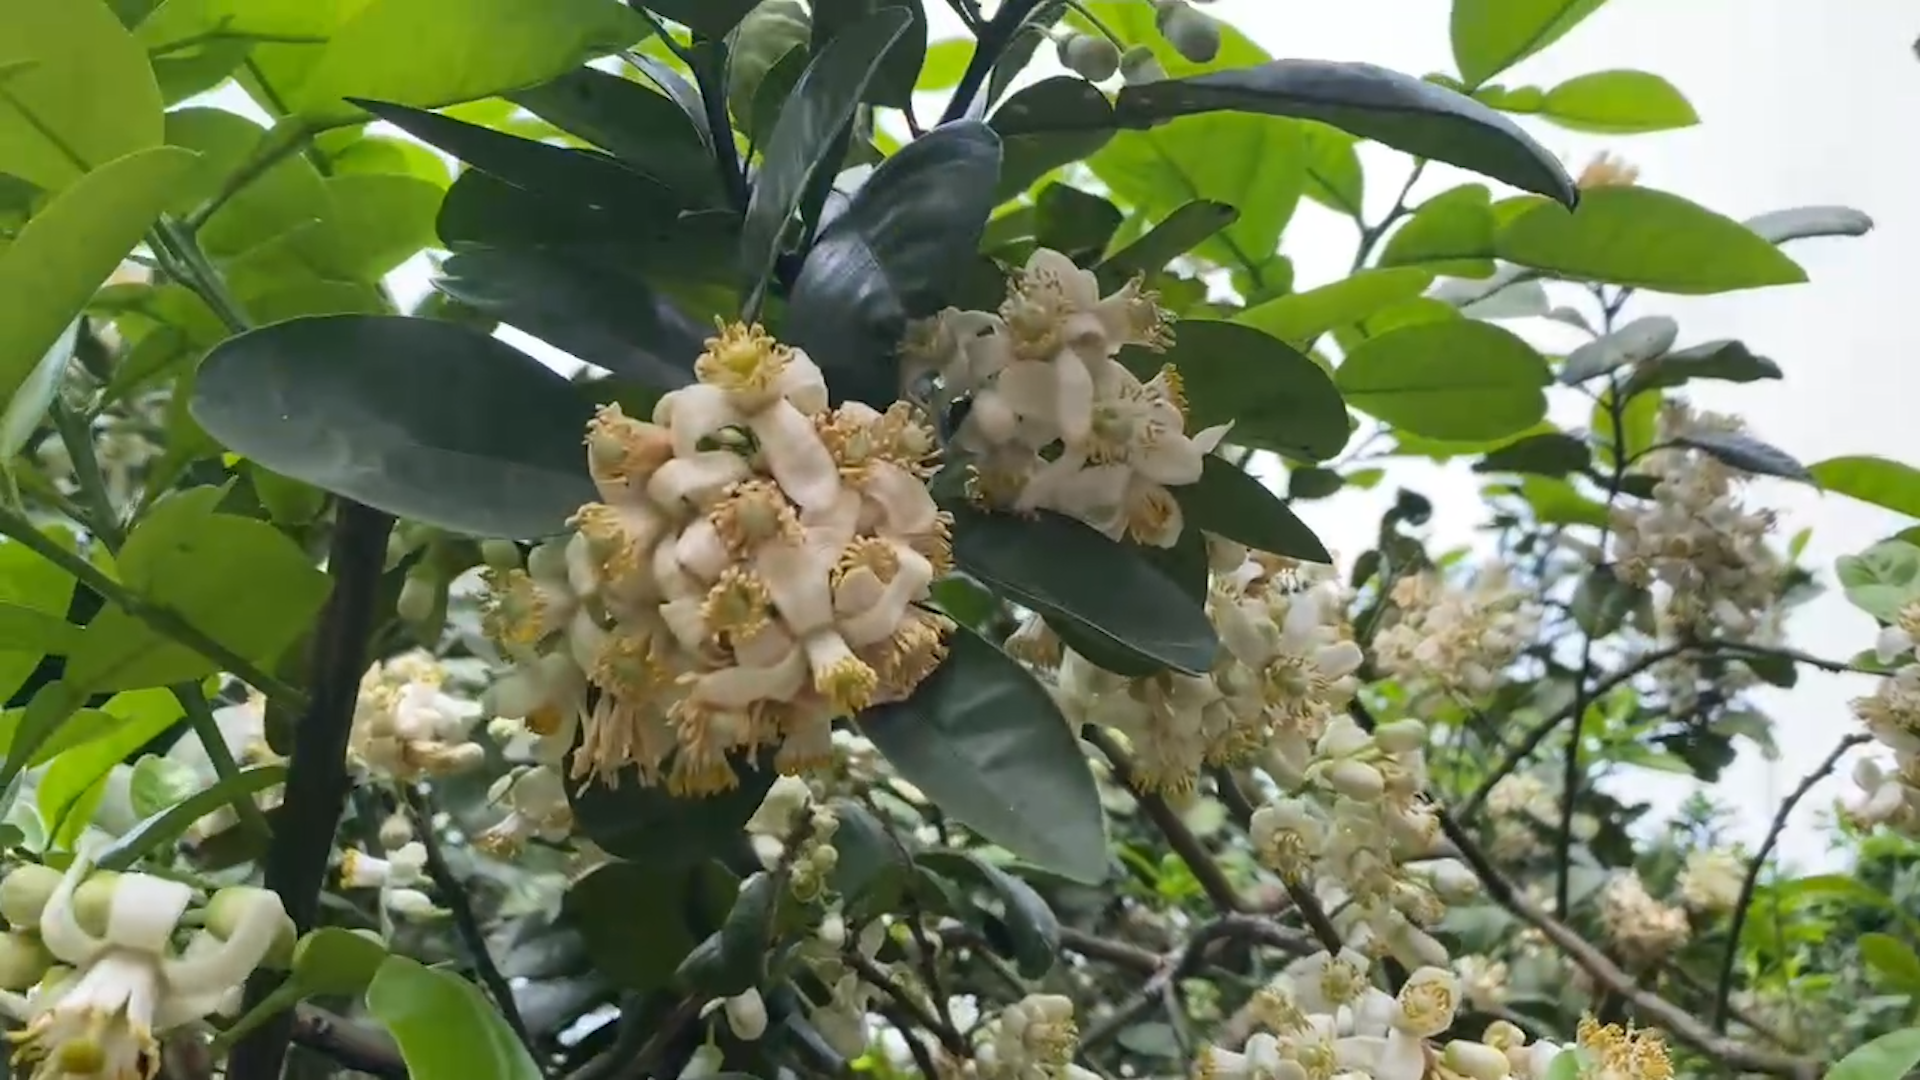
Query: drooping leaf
1618 103
709 18
1451 233
172 823
900 68
1875 480
1889 1057
429 53
803 140
644 128
988 745
34 395
81 96
1228 502
1748 453
1727 360
55 263
1547 454
1490 36
1649 239
1300 318
1175 235
445 1027
1044 126
1459 380
1806 222
1275 397
1030 923
1372 102
1637 342
424 419
887 258
1061 568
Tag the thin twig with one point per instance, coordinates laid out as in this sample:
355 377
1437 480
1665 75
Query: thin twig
1241 808
358 1048
994 38
1186 845
951 1040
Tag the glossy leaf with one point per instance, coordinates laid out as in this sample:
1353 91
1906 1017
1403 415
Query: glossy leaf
1229 503
644 128
1748 453
1730 361
69 784
633 918
335 960
1875 480
1176 234
1059 567
53 266
1645 238
887 258
445 1027
1618 103
816 113
1490 36
1889 1057
171 824
1637 342
1076 223
1044 126
987 744
900 68
649 825
709 18
1300 318
1372 102
1275 397
1448 380
34 395
429 53
1547 454
1030 923
424 419
82 96
1806 222
1451 233
595 313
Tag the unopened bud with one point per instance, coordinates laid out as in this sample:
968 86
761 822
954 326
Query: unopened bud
419 594
1193 35
500 554
747 1015
1476 1061
395 831
833 931
1139 66
1356 780
93 901
23 960
411 904
1401 736
24 893
1089 56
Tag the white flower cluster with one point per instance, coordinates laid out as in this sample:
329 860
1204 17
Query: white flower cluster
1323 1017
109 963
1695 537
400 877
1712 879
1891 796
1519 806
1642 929
406 726
753 571
1055 421
1457 639
1032 1039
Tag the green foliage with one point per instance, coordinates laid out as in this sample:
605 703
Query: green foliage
1875 480
1490 36
1647 239
83 97
1618 103
1889 1057
1448 380
444 1026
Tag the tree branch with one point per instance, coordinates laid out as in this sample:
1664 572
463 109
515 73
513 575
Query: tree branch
994 38
1179 837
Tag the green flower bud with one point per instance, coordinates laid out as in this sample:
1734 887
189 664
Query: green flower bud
1089 56
24 893
93 901
23 960
1139 66
419 594
500 554
1192 34
226 909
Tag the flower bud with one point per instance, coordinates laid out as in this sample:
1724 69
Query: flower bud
419 594
1401 736
93 901
1477 1061
395 831
500 554
1455 883
1356 780
411 904
833 931
24 893
747 1015
706 1061
23 960
1194 35
1089 56
1139 66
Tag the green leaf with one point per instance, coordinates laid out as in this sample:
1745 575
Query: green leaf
1548 454
1639 341
70 247
887 258
1075 223
1044 126
634 920
429 53
1300 318
50 707
1889 1057
1459 380
1275 397
29 581
708 18
1875 480
1228 502
658 830
1030 923
34 396
1619 103
423 419
987 744
1806 222
900 68
946 64
1882 579
1748 453
1629 235
809 129
1727 360
1176 234
1062 568
171 824
142 716
1372 102
184 557
1602 602
1490 36
642 127
82 96
334 960
1451 233
445 1027
1334 176
595 311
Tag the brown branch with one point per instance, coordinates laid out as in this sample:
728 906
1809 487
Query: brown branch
358 1048
1186 845
1241 808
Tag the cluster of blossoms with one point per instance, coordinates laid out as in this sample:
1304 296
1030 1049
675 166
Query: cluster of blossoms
1055 422
1456 638
1642 929
1892 716
1695 536
108 963
1032 1039
400 876
753 571
406 726
1519 805
1711 880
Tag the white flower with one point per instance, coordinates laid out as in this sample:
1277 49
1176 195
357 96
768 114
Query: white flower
537 806
1712 880
1324 982
404 867
747 1015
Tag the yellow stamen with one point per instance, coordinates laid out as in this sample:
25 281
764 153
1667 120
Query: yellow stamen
742 359
754 512
515 612
738 606
848 684
867 553
620 447
608 541
1176 389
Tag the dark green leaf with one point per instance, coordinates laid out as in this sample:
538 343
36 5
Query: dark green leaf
1727 360
1276 398
1748 453
1177 234
424 419
1548 454
1046 125
1490 36
1074 223
1630 235
1308 483
1639 341
655 829
633 918
869 852
987 744
445 1028
1602 602
888 258
1806 222
597 314
1372 102
1233 504
1773 669
816 114
900 69
643 128
1459 380
1031 924
172 823
1451 233
1059 567
709 18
